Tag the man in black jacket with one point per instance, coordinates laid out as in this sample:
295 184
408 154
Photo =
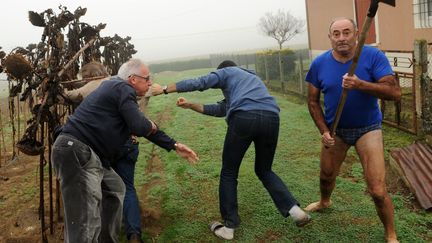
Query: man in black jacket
89 142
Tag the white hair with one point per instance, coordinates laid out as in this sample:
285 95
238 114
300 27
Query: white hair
133 66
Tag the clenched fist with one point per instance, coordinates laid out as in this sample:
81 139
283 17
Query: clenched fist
183 103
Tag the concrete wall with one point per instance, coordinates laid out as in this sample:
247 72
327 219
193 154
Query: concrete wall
320 14
396 27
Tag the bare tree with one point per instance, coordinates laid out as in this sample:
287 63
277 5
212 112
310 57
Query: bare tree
281 26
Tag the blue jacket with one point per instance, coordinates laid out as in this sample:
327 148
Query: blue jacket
243 91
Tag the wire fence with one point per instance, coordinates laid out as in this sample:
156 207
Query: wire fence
402 114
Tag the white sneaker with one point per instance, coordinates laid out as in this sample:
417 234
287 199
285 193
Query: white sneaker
221 231
304 221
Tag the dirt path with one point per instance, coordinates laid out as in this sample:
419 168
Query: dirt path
19 202
151 207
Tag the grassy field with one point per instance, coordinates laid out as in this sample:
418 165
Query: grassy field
4 91
179 200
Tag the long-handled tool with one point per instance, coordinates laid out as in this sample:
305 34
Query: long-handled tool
370 16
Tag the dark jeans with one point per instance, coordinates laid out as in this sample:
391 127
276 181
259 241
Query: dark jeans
125 168
245 127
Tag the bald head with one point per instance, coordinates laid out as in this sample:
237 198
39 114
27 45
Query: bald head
343 19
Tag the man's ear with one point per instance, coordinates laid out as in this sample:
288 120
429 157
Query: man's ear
132 80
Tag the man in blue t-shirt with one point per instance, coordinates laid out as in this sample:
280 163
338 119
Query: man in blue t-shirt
360 122
253 117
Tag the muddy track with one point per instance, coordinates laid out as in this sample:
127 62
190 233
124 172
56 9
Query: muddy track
151 207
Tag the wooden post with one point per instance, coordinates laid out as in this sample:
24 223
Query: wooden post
301 74
18 120
2 137
420 71
266 69
247 61
281 71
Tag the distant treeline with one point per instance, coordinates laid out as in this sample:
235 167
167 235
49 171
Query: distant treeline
180 65
253 61
212 62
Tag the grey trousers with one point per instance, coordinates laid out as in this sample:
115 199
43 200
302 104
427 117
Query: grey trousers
92 195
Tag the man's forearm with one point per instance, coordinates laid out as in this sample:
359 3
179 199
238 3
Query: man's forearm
161 139
317 115
386 88
171 88
197 107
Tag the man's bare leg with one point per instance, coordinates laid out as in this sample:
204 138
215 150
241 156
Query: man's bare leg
330 162
371 152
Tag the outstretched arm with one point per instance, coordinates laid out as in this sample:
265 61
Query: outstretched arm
170 88
161 139
185 104
217 110
213 80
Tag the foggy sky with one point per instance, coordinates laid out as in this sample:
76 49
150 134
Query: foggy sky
161 29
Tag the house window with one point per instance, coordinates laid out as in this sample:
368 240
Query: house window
422 13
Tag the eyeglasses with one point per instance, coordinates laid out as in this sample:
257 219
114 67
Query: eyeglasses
145 78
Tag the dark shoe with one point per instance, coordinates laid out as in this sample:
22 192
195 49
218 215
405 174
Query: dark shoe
304 221
135 238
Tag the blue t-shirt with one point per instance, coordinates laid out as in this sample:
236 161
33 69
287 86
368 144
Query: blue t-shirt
243 90
361 109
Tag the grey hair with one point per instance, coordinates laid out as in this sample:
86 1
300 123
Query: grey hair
133 66
342 18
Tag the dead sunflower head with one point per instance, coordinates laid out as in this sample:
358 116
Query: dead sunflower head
30 146
17 66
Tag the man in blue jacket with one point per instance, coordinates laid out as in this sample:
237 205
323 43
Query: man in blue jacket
252 116
89 143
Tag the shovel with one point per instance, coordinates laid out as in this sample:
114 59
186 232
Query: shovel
370 16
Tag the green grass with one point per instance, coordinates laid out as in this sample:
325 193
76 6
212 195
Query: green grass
187 195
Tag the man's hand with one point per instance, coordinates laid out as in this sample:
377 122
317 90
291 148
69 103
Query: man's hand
186 153
134 139
156 89
352 82
327 139
183 103
149 92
